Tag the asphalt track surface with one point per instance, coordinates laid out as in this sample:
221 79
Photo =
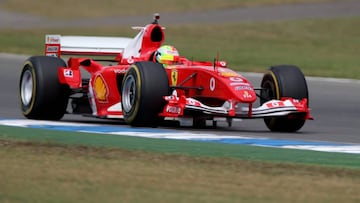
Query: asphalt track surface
334 102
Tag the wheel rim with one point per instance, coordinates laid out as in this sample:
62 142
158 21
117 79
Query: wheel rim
27 87
129 93
267 92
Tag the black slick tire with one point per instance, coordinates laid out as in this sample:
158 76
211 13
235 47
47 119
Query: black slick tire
41 95
284 81
143 88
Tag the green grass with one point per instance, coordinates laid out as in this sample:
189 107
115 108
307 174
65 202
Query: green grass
320 47
191 148
326 48
40 166
69 9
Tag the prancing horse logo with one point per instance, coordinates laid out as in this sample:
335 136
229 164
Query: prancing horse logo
174 77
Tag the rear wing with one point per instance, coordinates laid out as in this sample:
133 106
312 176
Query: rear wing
143 45
57 45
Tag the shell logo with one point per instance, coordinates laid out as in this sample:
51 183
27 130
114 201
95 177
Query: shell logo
100 89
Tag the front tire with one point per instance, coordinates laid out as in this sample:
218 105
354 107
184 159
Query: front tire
284 81
41 95
143 88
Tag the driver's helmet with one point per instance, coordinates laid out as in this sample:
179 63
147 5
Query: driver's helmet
167 54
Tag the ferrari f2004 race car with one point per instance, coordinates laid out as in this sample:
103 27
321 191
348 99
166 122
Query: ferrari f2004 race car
135 87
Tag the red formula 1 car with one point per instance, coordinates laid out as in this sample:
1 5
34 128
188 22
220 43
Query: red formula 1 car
133 87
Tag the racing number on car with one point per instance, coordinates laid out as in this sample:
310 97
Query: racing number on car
212 84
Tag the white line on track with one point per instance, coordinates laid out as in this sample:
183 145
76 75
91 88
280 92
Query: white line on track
183 135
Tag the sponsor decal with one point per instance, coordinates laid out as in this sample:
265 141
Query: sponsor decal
119 71
52 39
100 89
236 81
227 72
174 77
52 54
243 87
52 48
68 73
168 98
275 104
223 63
246 95
192 102
173 109
212 84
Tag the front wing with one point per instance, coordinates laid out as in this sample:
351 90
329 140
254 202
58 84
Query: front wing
182 106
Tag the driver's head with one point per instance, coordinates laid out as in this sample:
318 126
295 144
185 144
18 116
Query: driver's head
167 54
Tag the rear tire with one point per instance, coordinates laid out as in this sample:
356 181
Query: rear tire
284 81
41 95
143 88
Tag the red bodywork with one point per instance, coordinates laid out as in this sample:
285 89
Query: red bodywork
207 88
